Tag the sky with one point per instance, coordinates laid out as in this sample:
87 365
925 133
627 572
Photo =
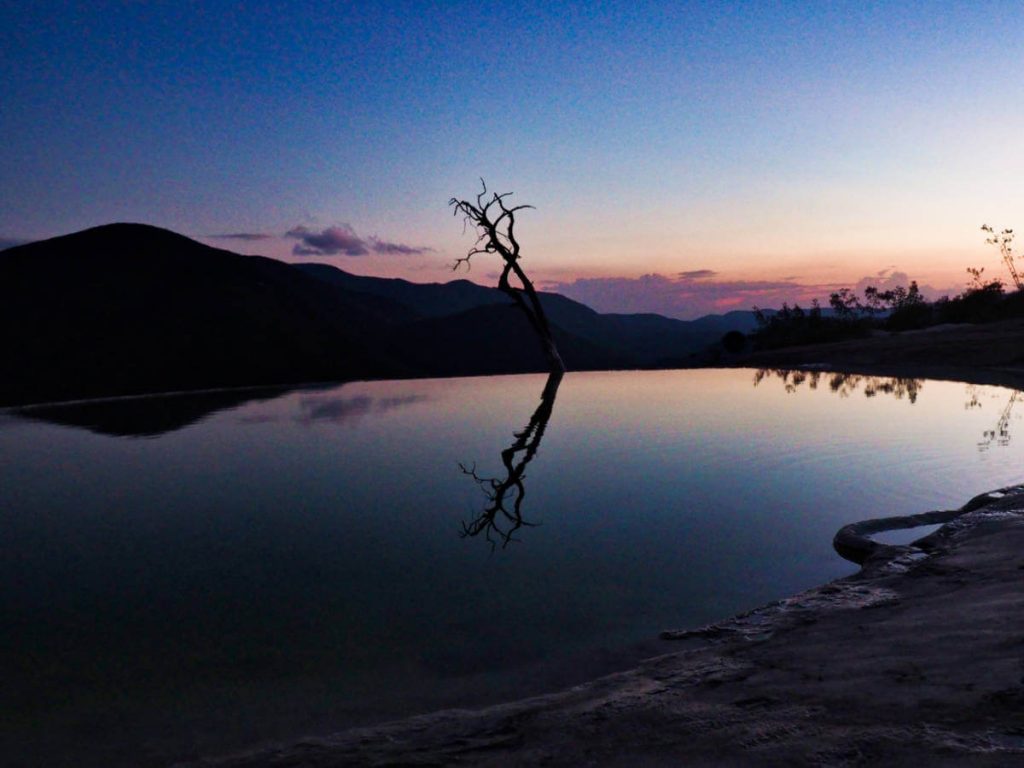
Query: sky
683 158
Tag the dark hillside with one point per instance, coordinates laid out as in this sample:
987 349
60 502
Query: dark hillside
489 340
647 340
742 320
641 340
128 308
426 299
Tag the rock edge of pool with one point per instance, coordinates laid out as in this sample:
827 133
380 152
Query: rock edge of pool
919 656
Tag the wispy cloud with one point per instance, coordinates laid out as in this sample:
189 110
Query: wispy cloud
383 246
342 240
891 277
332 241
697 292
250 236
686 296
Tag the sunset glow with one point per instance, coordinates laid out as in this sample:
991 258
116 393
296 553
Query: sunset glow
778 150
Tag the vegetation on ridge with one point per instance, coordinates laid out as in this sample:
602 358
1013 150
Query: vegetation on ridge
850 316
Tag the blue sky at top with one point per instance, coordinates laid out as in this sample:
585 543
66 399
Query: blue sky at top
814 142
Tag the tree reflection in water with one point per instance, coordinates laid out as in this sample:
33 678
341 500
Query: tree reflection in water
502 513
1000 433
843 384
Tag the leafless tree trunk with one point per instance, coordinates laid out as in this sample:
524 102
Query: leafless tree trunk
495 225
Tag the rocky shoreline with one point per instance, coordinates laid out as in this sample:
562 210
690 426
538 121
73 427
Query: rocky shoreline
981 354
918 657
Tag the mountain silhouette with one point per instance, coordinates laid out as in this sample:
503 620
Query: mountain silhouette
626 340
130 308
127 309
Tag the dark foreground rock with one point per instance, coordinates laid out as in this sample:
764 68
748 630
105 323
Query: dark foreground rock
918 659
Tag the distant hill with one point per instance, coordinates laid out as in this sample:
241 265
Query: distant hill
742 320
426 299
130 308
492 339
636 340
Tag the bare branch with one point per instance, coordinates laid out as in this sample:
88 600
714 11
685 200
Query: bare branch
496 234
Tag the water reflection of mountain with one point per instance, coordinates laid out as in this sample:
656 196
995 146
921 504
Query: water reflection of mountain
502 514
844 384
145 416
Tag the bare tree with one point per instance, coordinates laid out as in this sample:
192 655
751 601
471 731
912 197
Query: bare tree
495 223
1004 242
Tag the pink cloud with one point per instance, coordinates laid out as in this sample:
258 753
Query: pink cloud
890 277
695 293
689 295
342 240
328 242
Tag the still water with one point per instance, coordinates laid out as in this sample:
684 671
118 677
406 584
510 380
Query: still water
188 575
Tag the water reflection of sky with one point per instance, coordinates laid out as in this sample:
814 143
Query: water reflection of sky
339 410
295 562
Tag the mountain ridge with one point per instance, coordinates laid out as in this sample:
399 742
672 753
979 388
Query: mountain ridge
130 308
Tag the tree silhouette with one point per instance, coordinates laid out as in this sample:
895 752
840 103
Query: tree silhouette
1004 242
495 223
502 514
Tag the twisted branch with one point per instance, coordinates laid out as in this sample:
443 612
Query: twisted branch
495 224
